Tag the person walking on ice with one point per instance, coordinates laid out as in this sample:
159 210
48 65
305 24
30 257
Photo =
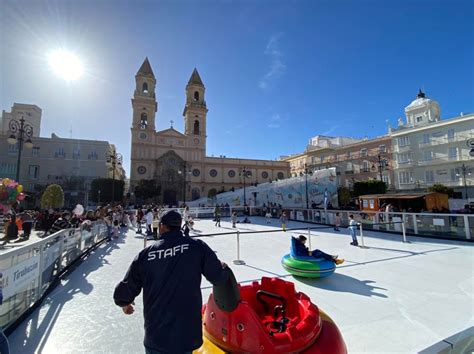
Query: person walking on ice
217 215
169 272
284 220
233 218
337 222
353 229
268 217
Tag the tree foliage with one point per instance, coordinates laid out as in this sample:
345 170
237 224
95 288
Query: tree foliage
369 187
344 195
147 188
53 197
104 185
441 188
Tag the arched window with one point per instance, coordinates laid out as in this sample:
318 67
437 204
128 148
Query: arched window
196 96
145 87
143 121
212 193
196 127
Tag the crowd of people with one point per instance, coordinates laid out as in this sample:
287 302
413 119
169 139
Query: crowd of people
18 224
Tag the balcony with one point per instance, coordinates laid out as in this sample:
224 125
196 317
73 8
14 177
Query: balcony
408 163
402 148
442 160
435 141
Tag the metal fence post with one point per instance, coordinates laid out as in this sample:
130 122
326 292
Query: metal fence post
40 275
466 227
404 230
61 250
415 225
238 261
361 235
309 238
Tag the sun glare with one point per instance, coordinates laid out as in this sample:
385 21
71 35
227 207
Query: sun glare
65 64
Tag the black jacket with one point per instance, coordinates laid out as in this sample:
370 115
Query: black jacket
169 271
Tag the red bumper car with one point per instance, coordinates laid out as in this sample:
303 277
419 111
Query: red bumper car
269 317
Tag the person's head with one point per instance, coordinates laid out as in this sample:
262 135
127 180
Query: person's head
302 239
337 214
66 215
116 223
351 216
170 221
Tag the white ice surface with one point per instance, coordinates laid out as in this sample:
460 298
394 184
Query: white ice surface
391 297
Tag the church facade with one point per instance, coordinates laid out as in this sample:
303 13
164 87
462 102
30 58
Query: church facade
177 161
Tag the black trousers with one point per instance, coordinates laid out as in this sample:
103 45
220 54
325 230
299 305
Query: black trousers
27 228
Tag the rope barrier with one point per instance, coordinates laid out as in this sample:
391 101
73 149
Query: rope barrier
263 231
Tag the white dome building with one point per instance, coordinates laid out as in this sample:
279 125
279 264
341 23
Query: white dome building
422 111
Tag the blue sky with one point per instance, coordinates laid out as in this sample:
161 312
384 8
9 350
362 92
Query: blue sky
276 72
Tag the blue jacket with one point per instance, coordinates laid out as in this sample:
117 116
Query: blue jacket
169 272
300 249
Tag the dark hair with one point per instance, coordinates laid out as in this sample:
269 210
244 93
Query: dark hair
302 238
116 223
351 216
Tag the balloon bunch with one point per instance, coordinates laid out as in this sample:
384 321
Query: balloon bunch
10 191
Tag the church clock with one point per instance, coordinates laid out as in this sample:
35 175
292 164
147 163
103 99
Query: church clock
196 141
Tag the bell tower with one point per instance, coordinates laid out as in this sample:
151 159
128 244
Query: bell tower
195 112
144 107
144 100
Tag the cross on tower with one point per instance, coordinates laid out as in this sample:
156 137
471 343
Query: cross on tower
171 121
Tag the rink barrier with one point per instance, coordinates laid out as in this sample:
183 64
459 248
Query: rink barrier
30 272
439 225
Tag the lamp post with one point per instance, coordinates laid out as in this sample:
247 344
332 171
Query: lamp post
114 158
19 130
463 171
98 199
184 172
244 173
381 164
306 172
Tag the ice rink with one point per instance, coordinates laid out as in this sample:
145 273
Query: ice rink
389 297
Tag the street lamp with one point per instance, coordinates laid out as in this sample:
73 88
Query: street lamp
244 173
184 172
381 164
98 199
116 159
306 172
463 171
19 130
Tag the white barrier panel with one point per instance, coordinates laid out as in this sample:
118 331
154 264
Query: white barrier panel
27 271
20 276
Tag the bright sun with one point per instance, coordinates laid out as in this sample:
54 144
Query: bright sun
65 64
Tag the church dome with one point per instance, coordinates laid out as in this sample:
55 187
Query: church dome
420 101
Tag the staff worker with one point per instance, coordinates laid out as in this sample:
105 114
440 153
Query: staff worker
169 272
